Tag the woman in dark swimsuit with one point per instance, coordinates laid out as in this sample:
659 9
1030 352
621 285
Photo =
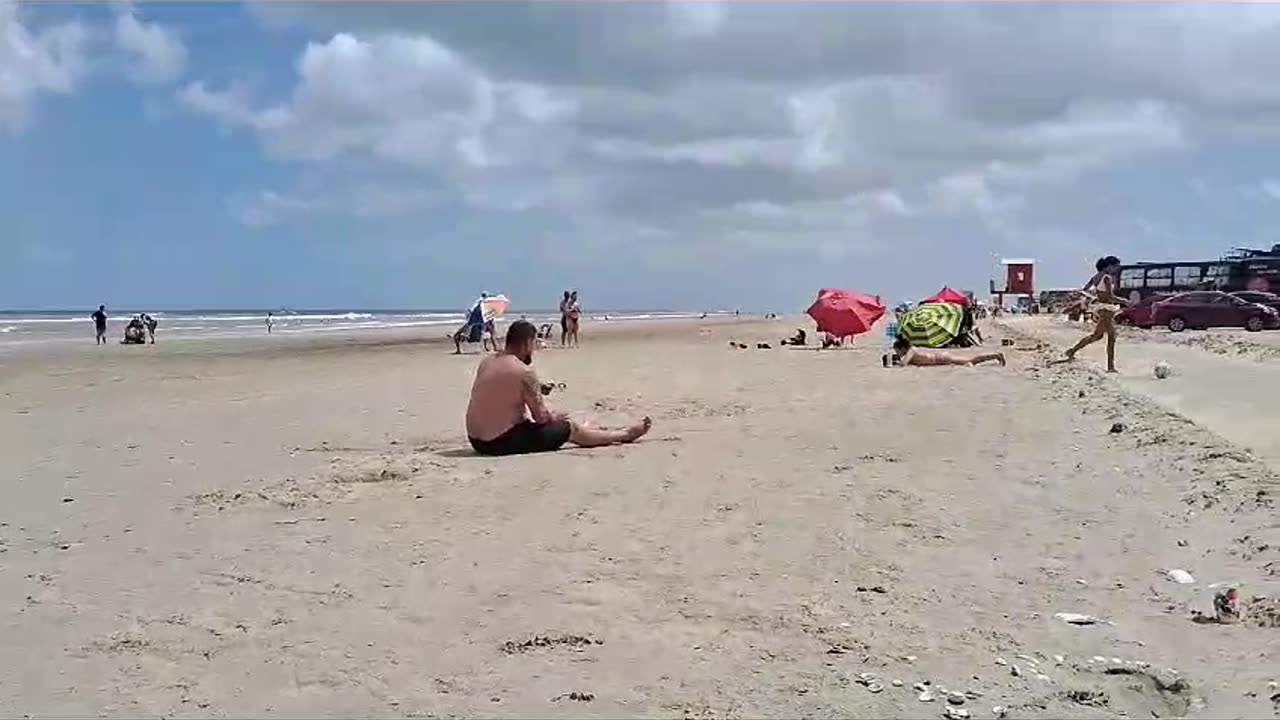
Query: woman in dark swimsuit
564 319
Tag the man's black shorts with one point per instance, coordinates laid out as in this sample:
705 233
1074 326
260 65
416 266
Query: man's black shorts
526 438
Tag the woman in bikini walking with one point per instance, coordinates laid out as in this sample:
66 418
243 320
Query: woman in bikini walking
1104 304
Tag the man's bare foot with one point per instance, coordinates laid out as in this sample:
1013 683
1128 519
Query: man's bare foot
1000 358
1113 370
639 430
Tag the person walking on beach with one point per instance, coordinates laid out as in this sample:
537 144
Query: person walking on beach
507 415
100 324
574 314
564 319
271 322
1104 303
474 327
150 324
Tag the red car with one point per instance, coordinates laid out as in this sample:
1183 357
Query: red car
1211 309
1139 314
1271 300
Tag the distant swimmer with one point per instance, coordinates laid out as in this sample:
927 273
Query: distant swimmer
508 416
100 324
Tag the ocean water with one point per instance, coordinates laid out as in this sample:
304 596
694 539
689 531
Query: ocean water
23 328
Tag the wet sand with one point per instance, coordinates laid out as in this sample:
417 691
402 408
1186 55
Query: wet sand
294 529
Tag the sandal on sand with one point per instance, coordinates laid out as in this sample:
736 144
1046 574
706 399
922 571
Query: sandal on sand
548 387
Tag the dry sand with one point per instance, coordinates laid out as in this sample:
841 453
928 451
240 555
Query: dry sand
296 529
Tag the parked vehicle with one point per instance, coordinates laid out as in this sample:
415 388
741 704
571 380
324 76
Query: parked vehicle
1271 300
1239 270
1139 314
1211 309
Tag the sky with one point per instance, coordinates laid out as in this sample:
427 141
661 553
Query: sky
683 155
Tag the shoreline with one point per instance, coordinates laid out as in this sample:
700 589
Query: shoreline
429 335
25 330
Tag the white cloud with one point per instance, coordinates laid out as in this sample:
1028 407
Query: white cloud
230 106
362 199
696 19
769 125
56 58
156 54
411 102
35 62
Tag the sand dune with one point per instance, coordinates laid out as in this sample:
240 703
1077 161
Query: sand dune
278 529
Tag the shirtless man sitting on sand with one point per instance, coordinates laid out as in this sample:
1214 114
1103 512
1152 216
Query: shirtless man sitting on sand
508 416
905 354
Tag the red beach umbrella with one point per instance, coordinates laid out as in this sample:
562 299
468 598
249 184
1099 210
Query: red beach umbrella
947 295
844 312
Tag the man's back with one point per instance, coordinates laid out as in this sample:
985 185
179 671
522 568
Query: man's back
498 396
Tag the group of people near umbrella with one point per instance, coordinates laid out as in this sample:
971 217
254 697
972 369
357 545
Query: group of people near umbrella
480 324
928 335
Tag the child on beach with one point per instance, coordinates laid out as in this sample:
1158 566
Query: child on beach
905 354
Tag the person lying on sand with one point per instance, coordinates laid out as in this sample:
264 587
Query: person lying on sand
798 339
908 355
508 416
832 341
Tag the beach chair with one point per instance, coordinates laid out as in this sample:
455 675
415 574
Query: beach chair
472 334
545 331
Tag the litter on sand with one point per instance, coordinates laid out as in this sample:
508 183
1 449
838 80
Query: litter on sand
1182 577
1077 618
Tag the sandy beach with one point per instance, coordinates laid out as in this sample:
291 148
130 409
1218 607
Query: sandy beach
298 528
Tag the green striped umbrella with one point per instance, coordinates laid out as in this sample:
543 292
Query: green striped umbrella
932 325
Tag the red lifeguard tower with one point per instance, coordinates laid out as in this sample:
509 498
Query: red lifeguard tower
1019 281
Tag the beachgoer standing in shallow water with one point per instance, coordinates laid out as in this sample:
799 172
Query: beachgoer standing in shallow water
574 313
1104 303
100 324
508 416
271 322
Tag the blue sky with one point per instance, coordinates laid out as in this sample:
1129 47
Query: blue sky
684 155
